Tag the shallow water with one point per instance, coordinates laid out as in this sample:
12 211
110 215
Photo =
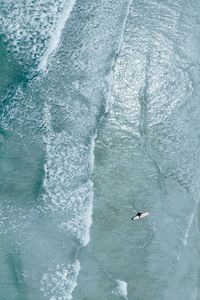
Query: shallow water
99 119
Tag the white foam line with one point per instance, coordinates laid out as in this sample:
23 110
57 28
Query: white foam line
185 240
188 229
90 208
109 78
56 35
124 24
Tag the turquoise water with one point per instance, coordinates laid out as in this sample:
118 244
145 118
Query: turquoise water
99 119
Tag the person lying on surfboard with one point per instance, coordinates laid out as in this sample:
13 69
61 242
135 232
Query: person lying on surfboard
140 215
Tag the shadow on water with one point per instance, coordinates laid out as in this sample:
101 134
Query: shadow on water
11 276
18 279
21 168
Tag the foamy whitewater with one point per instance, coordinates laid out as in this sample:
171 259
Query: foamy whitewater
99 119
56 34
121 289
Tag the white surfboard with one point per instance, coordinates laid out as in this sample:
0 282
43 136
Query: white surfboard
143 215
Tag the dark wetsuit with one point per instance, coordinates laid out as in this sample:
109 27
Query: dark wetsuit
138 215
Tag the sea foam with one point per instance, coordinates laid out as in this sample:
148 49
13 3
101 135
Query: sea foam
56 34
121 289
67 162
60 283
32 29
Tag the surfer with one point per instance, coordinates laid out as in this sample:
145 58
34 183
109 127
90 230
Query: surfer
140 215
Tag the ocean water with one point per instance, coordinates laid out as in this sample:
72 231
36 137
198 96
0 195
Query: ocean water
99 119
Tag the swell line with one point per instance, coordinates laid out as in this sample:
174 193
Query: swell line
56 35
